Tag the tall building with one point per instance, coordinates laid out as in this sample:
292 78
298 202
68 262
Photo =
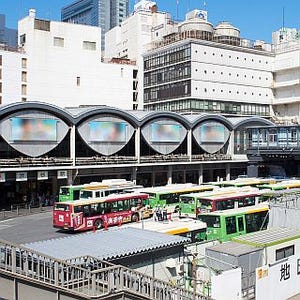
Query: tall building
60 63
103 13
8 36
202 68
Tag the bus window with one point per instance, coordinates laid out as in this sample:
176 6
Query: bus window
241 224
77 209
211 221
76 194
64 191
86 194
246 201
230 225
205 205
256 221
97 195
223 205
187 200
86 210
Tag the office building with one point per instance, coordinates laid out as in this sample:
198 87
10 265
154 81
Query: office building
64 67
103 13
8 36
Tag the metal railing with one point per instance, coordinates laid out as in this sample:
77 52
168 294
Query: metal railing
86 276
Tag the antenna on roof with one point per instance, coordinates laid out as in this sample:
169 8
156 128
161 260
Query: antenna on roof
177 3
283 18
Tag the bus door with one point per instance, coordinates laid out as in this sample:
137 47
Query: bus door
241 225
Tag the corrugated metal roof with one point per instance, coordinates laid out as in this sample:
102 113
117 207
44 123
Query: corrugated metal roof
233 249
106 244
269 237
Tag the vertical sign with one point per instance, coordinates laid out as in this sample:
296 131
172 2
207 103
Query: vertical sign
42 175
2 177
62 174
21 176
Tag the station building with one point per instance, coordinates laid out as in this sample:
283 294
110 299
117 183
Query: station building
43 147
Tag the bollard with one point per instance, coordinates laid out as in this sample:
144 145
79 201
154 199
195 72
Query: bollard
29 208
3 211
17 210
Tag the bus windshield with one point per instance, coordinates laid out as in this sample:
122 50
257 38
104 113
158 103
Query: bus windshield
211 221
187 200
61 207
86 194
205 204
64 191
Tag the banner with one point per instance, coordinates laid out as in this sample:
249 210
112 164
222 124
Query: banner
21 176
42 175
62 174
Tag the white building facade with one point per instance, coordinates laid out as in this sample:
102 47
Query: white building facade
64 66
13 76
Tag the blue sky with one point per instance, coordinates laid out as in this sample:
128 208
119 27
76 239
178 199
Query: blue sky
255 18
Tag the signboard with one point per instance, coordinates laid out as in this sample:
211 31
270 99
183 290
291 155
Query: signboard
21 176
278 281
62 174
2 177
42 175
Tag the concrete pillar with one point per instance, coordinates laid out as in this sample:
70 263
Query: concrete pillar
230 149
72 145
138 144
227 171
153 178
133 174
70 177
189 144
184 176
170 171
200 174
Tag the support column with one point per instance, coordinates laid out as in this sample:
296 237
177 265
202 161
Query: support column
138 144
153 178
189 144
133 174
70 177
200 174
230 149
184 176
72 145
170 171
227 171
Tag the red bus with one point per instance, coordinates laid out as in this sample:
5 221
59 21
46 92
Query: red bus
98 213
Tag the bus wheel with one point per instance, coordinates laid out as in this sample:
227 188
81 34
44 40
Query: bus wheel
135 218
98 224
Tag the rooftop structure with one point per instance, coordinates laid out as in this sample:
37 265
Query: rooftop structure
8 36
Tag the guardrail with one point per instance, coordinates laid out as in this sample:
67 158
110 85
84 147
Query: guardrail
82 279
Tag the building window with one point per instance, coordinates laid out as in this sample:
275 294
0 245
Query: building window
0 73
122 72
24 76
58 42
0 87
24 89
78 81
24 62
0 99
285 252
22 39
0 60
89 45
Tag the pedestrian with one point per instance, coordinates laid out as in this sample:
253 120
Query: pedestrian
155 214
165 213
159 213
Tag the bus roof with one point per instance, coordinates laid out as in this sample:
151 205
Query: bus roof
246 181
263 206
220 191
177 188
176 226
109 198
280 193
286 184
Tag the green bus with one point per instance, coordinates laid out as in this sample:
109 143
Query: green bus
283 185
168 195
240 182
227 224
191 205
70 192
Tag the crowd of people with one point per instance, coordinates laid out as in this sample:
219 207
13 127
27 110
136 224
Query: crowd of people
160 213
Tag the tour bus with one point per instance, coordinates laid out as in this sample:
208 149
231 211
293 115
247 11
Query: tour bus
283 185
107 187
169 194
227 224
194 204
98 213
240 182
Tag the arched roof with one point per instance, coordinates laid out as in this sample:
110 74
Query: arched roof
243 121
166 114
41 106
213 117
93 111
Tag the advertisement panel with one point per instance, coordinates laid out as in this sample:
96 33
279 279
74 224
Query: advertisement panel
21 176
212 133
42 175
107 131
25 129
165 133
